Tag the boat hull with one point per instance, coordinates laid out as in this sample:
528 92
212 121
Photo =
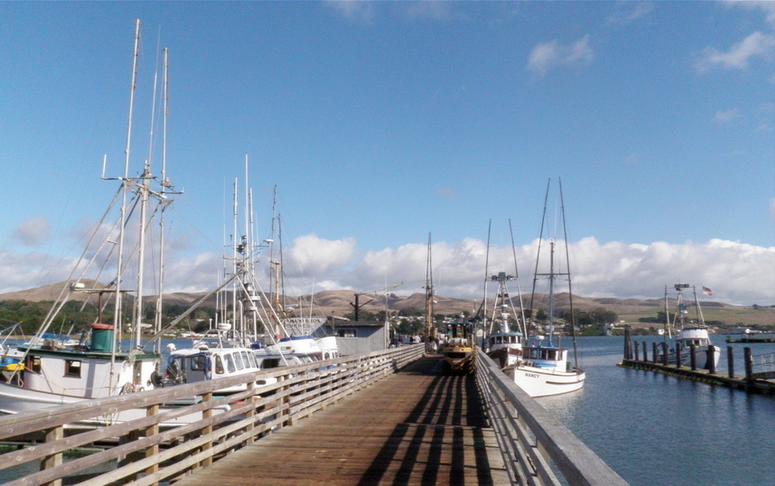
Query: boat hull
538 382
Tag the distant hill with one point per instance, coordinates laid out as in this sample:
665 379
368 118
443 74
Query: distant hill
337 302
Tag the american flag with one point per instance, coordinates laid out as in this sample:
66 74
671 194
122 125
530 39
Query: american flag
707 291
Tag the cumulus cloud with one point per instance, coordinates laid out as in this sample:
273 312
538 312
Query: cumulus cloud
725 116
737 272
354 10
738 56
550 55
627 12
32 232
313 256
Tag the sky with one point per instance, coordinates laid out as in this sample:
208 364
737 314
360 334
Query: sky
382 122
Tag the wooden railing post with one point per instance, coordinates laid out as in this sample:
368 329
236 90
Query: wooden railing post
252 412
207 431
151 431
54 460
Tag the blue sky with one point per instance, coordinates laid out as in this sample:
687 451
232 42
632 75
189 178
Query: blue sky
380 122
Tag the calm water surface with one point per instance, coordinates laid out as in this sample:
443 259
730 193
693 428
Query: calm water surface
654 429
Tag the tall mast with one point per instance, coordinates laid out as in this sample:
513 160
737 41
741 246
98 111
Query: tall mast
700 318
120 256
486 275
282 268
667 335
551 290
516 276
234 260
164 186
538 252
570 287
429 327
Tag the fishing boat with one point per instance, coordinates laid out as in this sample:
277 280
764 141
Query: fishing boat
690 332
458 350
504 345
545 368
53 374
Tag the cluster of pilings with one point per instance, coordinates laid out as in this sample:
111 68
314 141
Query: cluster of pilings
636 355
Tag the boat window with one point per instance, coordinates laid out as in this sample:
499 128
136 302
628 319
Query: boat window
499 340
246 360
33 364
347 332
271 363
238 360
73 368
218 365
229 363
198 362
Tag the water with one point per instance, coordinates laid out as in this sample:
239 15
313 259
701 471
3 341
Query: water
655 429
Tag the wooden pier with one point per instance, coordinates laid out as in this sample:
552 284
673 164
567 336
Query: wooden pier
394 416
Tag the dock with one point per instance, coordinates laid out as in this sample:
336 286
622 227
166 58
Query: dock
393 416
759 370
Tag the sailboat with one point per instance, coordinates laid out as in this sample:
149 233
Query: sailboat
689 332
55 375
545 369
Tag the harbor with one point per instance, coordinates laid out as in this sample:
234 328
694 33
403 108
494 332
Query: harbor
361 243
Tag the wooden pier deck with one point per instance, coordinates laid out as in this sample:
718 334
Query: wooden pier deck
418 426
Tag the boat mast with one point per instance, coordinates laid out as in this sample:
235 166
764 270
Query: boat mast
486 275
282 268
519 290
124 187
570 286
700 318
667 334
252 267
234 261
551 290
429 327
164 186
538 251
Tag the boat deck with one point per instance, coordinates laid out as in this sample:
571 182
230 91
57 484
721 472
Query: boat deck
419 426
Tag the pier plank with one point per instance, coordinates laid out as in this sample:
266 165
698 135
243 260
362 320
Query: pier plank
419 426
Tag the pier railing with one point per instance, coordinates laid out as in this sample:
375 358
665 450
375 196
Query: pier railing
535 445
162 441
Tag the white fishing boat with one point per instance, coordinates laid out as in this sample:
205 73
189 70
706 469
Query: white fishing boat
690 332
505 345
545 369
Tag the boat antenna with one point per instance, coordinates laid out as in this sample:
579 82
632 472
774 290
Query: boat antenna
570 285
516 276
538 252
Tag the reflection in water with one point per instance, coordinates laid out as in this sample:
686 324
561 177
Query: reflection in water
655 429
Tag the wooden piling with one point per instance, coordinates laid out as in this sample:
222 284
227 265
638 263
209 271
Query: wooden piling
748 364
664 353
693 356
711 359
730 361
654 351
645 354
635 348
627 343
677 354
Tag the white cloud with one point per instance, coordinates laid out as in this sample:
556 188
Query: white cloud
361 11
549 55
734 270
725 116
313 256
32 232
627 12
765 6
755 45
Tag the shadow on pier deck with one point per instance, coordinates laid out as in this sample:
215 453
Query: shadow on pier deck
418 426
